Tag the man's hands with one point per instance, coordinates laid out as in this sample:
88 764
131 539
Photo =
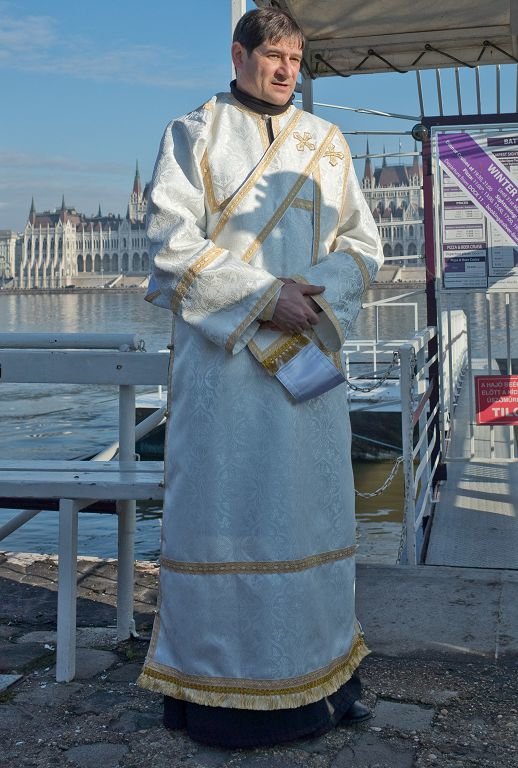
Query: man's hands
295 310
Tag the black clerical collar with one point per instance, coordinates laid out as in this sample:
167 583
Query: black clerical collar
258 105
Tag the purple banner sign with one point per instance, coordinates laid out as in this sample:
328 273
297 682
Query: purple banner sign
485 180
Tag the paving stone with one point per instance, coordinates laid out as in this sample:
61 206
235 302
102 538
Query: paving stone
15 657
95 755
127 673
48 694
11 717
316 746
40 636
100 701
442 697
131 721
7 632
7 680
86 637
282 760
369 751
209 758
90 662
404 717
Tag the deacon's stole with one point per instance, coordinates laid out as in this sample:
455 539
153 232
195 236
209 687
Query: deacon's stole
296 155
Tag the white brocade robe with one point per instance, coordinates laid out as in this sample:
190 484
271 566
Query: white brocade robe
256 603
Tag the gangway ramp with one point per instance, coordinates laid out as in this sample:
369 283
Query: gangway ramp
475 523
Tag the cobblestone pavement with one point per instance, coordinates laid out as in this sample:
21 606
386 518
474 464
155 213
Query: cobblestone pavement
458 712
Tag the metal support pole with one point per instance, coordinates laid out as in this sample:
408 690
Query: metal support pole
307 94
237 9
407 361
17 522
67 591
126 511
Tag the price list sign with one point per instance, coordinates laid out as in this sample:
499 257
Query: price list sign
479 209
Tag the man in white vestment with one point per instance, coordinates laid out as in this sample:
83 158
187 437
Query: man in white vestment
263 246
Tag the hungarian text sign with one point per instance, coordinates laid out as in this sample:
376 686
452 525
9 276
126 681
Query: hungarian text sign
496 399
484 178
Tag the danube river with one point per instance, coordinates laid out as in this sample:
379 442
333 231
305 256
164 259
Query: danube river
69 421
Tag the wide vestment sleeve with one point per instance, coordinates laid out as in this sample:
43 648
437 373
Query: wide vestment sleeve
209 287
349 267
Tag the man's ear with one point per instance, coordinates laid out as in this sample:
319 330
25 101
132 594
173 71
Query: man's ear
238 54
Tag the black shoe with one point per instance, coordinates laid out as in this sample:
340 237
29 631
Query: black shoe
357 713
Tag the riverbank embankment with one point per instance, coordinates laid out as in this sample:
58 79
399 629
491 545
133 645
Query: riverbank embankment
441 679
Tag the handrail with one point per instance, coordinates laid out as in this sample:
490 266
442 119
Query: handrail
122 341
430 417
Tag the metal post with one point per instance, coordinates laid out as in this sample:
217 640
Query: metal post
126 511
307 94
509 364
237 9
406 357
67 591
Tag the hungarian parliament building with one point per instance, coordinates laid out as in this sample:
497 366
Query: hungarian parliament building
63 248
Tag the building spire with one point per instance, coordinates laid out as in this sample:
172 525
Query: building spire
63 206
384 163
99 214
137 189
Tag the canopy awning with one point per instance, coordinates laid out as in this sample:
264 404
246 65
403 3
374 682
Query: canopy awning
360 36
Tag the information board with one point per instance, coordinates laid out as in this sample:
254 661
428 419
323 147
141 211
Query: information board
496 399
478 206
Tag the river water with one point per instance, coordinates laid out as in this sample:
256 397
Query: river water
68 421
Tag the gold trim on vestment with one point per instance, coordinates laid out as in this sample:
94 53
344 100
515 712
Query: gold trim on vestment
280 352
254 177
262 694
362 267
214 204
153 295
191 273
290 197
267 567
207 183
284 353
252 315
317 205
263 131
347 166
305 205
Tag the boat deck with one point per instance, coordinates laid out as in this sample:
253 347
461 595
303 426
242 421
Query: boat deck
475 522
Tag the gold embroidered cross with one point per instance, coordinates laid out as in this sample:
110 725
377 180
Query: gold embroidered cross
333 155
303 141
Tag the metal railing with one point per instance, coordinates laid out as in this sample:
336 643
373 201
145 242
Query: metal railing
429 384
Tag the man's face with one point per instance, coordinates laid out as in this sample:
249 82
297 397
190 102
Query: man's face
270 71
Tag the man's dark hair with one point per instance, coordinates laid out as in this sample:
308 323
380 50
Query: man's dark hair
255 27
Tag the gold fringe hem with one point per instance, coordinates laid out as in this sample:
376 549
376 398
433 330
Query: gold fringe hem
219 695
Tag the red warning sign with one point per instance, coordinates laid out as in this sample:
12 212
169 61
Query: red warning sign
496 399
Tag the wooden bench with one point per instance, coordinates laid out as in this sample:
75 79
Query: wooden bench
70 486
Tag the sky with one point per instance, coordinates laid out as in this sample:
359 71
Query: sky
87 90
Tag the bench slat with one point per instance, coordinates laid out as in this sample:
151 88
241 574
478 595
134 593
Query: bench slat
82 480
82 465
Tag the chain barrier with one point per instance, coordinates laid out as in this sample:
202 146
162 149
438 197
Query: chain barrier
388 481
379 381
402 544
